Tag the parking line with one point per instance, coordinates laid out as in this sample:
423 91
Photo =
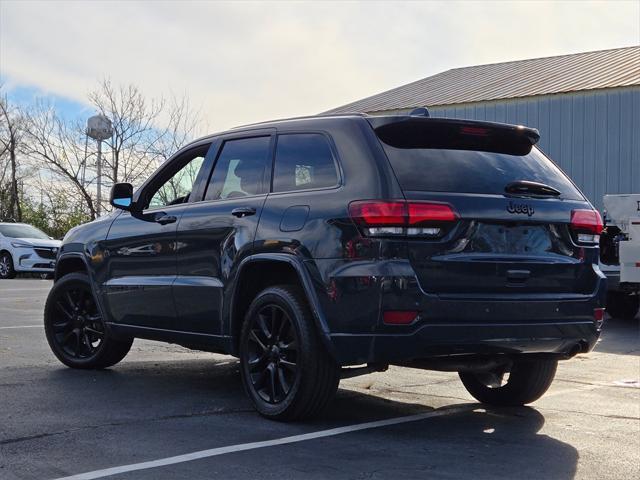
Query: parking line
213 452
21 326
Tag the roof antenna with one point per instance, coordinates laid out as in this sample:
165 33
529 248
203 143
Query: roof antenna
420 112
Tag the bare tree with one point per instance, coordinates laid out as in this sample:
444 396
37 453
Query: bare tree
135 131
146 132
5 186
10 137
58 150
182 125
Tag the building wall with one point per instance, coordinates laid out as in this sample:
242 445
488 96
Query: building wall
593 135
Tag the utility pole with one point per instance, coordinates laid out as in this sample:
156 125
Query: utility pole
99 128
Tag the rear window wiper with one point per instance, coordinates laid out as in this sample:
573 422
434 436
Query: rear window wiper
528 188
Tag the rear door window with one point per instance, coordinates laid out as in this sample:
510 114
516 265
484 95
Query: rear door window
303 161
241 169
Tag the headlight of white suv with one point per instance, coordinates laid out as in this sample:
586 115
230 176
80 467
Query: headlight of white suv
21 245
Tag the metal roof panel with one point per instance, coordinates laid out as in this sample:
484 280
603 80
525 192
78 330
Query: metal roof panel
618 67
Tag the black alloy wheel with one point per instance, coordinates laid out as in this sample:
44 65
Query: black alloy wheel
272 349
75 328
77 325
495 378
286 370
523 382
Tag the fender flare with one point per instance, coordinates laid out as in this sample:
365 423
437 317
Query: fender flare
306 283
92 283
68 255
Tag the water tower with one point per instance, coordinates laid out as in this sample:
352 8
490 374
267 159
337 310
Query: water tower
99 128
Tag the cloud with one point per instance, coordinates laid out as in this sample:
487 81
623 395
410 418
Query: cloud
244 62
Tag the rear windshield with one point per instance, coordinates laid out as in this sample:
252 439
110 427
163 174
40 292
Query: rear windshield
468 171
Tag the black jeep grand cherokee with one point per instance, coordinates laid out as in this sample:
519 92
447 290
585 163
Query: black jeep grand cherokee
308 245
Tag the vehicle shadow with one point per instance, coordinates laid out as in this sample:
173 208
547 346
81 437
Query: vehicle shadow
472 442
476 443
619 337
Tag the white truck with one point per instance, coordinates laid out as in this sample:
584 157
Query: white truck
620 254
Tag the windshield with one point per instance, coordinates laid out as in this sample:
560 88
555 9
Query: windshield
467 171
22 231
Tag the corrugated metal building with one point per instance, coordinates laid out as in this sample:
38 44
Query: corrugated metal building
586 106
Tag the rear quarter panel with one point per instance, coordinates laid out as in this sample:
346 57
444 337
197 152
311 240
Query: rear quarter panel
328 242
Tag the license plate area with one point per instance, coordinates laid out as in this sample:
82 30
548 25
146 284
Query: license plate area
516 239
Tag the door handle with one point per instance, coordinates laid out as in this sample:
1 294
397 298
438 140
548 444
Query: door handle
165 219
243 212
518 275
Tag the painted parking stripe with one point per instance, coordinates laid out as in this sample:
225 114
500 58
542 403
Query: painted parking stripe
26 289
21 326
266 443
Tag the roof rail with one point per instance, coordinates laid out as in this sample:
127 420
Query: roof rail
304 117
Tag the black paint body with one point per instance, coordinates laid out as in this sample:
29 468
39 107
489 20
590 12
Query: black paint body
185 282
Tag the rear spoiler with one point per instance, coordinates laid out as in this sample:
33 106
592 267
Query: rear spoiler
424 132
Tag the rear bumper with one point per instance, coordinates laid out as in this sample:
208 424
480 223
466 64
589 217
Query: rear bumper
449 324
427 341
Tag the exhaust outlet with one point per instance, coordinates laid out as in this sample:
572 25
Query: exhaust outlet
580 347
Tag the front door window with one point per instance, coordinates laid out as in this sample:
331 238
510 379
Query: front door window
178 187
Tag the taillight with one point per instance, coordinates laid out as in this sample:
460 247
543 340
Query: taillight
586 225
598 317
378 213
475 131
430 212
384 218
399 317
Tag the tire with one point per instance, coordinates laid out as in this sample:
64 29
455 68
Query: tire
75 329
527 382
623 305
6 266
286 370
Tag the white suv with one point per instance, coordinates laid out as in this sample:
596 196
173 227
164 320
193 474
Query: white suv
24 248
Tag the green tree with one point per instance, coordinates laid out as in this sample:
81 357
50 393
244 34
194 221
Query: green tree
55 216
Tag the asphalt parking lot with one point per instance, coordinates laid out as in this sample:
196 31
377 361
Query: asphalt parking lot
184 412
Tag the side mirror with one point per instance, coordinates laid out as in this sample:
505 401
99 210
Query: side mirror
122 196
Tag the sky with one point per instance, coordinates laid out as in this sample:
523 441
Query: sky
243 62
